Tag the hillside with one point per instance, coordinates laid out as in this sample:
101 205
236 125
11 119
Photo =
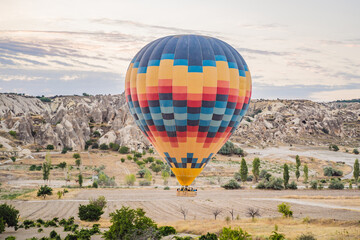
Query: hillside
71 121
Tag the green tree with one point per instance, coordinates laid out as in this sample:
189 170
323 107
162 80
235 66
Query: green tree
284 208
234 234
44 191
78 162
46 167
130 179
13 133
286 175
148 176
128 224
151 151
80 179
104 146
165 176
156 169
10 215
76 155
306 173
50 147
123 150
90 212
62 165
2 225
298 164
243 170
256 168
356 170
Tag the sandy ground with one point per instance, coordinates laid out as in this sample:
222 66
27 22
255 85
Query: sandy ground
162 205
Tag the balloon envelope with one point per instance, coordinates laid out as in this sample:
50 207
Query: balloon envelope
188 94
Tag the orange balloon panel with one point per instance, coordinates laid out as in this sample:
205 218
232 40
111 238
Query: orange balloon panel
188 94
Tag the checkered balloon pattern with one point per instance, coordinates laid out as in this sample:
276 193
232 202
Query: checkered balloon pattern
188 94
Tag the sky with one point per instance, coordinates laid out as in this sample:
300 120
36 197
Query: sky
294 49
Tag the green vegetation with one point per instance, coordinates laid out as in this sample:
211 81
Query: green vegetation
333 147
336 184
286 175
62 165
96 134
13 133
9 216
243 170
284 208
232 184
306 173
124 150
50 147
76 155
307 236
292 185
78 162
104 146
13 159
237 233
114 146
256 168
298 164
46 167
44 191
272 183
355 151
356 170
80 180
276 236
131 224
331 172
229 148
130 179
90 212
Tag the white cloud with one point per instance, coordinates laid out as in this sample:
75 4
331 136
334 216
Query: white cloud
345 94
8 78
70 77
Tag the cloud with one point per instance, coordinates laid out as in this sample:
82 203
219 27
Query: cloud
262 52
5 61
62 63
351 43
271 26
8 78
343 94
69 77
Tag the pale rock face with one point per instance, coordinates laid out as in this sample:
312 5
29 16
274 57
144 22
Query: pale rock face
71 121
109 137
24 153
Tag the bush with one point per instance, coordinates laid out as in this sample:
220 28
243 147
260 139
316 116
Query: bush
144 183
104 146
10 215
273 183
355 151
10 238
167 188
228 149
13 159
2 225
138 155
53 234
307 236
62 165
331 172
276 236
96 134
43 191
209 236
292 185
13 133
336 184
238 233
99 202
129 224
130 179
124 150
50 147
122 160
1 146
95 145
284 208
232 184
95 185
32 168
166 230
334 147
264 175
105 180
114 146
76 155
314 184
90 212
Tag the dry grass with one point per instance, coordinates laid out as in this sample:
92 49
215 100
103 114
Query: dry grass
320 197
104 223
322 229
33 195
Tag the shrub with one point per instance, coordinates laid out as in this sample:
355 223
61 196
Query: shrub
264 175
99 202
104 146
232 184
292 185
1 146
166 230
95 185
129 224
237 233
2 225
95 145
122 160
53 234
307 236
114 146
10 215
314 184
130 179
334 147
62 165
123 150
336 184
273 183
90 212
355 151
96 134
13 133
284 208
13 159
140 163
209 236
43 191
76 155
50 147
32 168
144 183
10 238
105 180
330 172
276 236
167 188
138 155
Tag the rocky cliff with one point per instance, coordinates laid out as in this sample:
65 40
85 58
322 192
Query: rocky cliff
72 121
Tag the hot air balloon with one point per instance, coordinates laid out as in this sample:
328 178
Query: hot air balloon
188 94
